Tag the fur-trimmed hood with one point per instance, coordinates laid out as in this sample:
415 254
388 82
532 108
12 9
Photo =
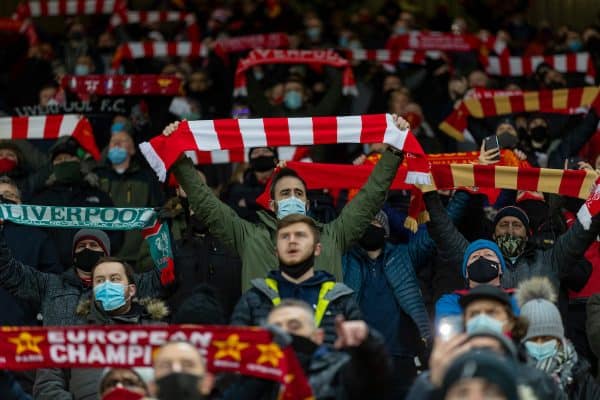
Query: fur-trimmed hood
155 309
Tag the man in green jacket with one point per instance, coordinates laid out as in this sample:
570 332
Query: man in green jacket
255 243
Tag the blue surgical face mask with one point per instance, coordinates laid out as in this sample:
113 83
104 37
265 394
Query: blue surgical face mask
293 100
313 33
541 351
400 30
291 205
575 45
117 155
484 322
82 69
343 41
110 295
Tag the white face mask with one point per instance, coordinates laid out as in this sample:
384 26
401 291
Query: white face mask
541 351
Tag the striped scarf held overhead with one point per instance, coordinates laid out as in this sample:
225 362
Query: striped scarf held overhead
124 17
56 8
137 50
310 57
489 103
523 66
231 134
51 127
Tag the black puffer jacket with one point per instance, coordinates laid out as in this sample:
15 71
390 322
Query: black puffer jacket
255 305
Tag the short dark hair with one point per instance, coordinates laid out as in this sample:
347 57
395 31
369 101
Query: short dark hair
129 272
290 302
4 179
284 173
300 219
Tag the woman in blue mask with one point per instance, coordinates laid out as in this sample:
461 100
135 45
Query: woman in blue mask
545 341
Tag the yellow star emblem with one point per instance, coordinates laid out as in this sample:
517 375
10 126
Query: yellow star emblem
26 342
232 347
269 353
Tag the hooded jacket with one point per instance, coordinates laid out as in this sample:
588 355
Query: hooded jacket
82 383
254 243
254 305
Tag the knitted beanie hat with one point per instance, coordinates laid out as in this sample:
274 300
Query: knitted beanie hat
94 234
536 297
512 211
478 245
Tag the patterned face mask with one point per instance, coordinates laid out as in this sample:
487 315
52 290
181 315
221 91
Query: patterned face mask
511 246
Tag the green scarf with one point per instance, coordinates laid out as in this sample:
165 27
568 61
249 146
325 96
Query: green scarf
153 230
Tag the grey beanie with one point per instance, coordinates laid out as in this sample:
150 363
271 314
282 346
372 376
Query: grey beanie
382 218
94 234
536 297
544 319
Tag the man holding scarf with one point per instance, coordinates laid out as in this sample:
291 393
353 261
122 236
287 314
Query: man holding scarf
57 296
254 242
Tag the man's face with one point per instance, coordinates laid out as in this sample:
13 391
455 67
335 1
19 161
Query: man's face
261 152
8 154
475 389
10 192
178 358
198 82
110 272
122 140
46 95
508 128
64 157
289 186
293 86
491 308
296 243
534 123
512 226
296 321
123 378
478 79
88 244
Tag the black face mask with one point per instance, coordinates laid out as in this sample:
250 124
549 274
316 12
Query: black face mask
483 270
539 134
507 140
262 163
179 386
86 259
304 349
297 270
373 238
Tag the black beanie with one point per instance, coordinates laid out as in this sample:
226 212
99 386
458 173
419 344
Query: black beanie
512 211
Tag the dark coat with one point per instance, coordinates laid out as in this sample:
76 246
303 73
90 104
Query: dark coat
37 251
57 296
357 373
553 263
82 383
583 387
255 305
399 269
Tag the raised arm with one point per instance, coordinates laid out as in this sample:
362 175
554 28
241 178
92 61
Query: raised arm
449 241
349 226
20 280
570 247
220 219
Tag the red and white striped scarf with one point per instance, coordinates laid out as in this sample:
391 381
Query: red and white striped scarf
312 57
234 134
286 153
51 127
237 44
135 50
591 207
55 8
124 17
24 27
122 85
392 57
523 66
